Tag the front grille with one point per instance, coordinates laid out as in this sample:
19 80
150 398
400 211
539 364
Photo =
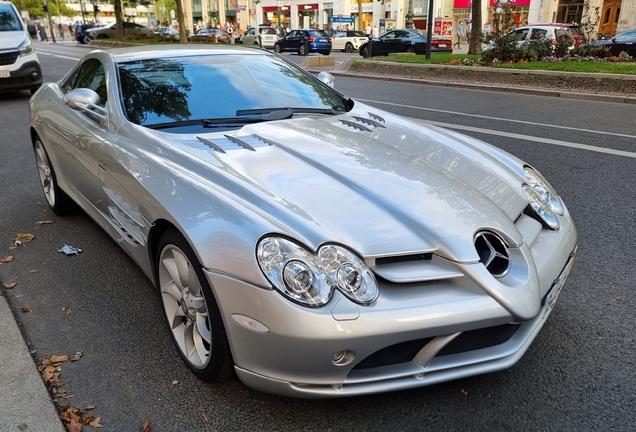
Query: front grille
8 58
471 340
479 339
394 354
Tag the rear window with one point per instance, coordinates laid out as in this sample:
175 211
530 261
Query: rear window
319 33
576 31
9 21
356 34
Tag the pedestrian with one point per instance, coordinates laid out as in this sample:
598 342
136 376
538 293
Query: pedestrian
229 29
374 32
60 28
368 29
460 34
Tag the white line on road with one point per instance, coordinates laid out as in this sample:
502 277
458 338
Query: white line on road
58 56
497 118
535 139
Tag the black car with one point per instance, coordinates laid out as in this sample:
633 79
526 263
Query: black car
210 35
623 42
405 41
80 32
317 41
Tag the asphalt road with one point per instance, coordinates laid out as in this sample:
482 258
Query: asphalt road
579 374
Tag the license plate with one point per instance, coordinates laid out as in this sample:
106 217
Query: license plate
5 74
443 45
553 294
322 40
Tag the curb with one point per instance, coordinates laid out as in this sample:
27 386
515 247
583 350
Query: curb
25 404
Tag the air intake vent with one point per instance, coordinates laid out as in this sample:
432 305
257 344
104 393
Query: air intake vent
493 253
230 142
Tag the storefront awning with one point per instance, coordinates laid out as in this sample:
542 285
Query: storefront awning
275 8
307 7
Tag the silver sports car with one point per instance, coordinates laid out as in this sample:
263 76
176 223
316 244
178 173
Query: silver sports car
314 245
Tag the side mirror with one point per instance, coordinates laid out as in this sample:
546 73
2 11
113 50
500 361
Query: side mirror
81 98
327 78
32 30
614 39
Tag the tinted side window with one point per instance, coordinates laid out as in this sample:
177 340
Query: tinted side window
92 76
538 33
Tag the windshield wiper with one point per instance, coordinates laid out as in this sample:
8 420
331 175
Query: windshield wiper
271 111
278 114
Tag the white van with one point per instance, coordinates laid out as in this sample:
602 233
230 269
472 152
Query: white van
19 64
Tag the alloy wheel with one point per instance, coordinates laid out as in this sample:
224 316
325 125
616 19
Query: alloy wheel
46 174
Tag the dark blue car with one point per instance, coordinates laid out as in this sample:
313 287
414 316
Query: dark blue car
317 41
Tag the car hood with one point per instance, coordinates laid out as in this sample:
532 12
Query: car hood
11 39
373 181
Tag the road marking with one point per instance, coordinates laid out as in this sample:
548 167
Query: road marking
532 138
498 118
58 56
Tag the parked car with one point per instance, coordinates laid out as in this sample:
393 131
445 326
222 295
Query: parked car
19 64
315 245
317 41
624 42
210 35
168 33
266 34
348 41
544 32
130 30
406 41
80 32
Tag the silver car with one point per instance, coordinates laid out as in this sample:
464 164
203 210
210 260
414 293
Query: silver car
314 245
267 35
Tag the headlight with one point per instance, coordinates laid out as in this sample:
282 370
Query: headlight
541 208
544 189
26 47
310 279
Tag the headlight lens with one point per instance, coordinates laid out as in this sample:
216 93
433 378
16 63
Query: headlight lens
309 279
544 190
26 47
541 208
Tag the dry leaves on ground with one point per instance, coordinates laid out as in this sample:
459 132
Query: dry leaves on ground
24 237
27 309
146 426
6 259
66 310
10 285
44 222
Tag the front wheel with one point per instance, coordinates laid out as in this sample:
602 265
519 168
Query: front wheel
57 199
348 47
302 50
277 49
191 311
364 51
410 50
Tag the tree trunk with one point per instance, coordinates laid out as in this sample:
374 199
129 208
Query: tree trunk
475 29
183 37
119 18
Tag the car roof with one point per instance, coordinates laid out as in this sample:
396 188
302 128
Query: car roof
129 54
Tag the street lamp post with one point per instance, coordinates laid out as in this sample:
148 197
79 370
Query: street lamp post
409 15
280 4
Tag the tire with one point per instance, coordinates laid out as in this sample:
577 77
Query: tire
82 39
57 199
191 311
301 50
326 52
277 49
348 48
410 50
364 51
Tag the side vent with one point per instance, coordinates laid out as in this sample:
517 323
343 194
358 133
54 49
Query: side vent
369 121
376 117
355 125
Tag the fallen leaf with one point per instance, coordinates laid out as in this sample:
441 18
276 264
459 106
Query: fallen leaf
24 237
146 426
6 259
175 382
44 222
122 368
205 417
90 407
10 285
47 374
66 310
32 271
27 309
464 391
74 426
95 423
12 247
59 359
78 355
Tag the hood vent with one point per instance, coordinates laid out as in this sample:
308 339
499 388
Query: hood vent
365 124
230 142
369 121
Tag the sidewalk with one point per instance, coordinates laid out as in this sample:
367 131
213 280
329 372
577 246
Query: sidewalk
25 404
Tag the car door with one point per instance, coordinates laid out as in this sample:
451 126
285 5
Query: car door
249 37
338 41
624 42
75 136
401 41
385 44
294 39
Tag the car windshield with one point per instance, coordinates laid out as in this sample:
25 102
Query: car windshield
170 90
8 19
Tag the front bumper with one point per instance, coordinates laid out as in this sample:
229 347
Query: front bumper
28 76
451 331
